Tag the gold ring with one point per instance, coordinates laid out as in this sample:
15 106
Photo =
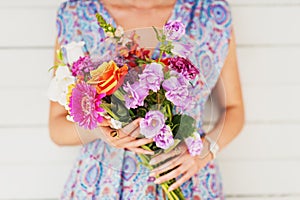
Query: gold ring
114 134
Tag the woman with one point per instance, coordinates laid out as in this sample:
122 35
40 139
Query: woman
101 171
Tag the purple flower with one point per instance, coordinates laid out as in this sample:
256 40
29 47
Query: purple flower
177 90
135 96
194 144
152 76
183 66
82 65
164 139
152 124
174 30
85 105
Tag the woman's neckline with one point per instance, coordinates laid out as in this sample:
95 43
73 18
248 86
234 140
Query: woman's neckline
113 20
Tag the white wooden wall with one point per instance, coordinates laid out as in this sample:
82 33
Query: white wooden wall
263 163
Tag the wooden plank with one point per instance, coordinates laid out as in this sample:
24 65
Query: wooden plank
25 67
258 66
271 21
257 142
34 147
266 197
261 177
264 142
38 31
23 107
263 104
271 66
240 178
272 104
267 25
33 181
53 3
264 2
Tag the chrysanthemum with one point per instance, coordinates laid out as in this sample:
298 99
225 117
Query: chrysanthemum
85 105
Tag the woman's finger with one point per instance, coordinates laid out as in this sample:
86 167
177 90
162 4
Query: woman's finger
140 151
180 181
180 149
172 174
138 142
136 132
131 127
168 166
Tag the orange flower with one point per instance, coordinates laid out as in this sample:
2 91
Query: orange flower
108 77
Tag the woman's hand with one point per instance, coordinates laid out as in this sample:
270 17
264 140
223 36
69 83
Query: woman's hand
126 138
182 163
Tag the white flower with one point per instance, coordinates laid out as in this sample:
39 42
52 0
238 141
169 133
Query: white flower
59 84
119 31
74 51
115 124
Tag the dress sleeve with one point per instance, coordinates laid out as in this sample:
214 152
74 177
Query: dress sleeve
67 25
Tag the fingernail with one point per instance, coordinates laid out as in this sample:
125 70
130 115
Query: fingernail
151 162
170 189
151 153
156 181
152 174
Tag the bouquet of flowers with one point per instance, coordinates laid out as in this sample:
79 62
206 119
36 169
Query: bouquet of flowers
130 82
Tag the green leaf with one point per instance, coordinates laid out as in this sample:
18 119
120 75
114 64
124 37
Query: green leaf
183 126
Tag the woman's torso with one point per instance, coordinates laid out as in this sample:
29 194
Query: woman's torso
103 172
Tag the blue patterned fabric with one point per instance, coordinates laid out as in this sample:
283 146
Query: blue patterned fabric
104 172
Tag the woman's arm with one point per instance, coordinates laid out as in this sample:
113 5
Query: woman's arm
228 127
230 94
66 133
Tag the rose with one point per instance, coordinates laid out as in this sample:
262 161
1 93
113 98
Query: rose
108 77
174 30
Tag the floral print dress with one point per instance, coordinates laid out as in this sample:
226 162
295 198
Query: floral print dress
106 173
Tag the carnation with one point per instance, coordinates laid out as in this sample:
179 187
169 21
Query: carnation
82 65
183 66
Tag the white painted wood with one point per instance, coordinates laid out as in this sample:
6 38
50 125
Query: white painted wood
33 181
261 177
272 66
28 67
25 107
264 142
257 142
34 102
261 164
266 197
267 25
20 146
27 27
254 25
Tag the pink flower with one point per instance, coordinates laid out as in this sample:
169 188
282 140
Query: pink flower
82 65
85 105
164 139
